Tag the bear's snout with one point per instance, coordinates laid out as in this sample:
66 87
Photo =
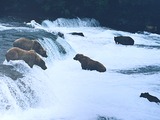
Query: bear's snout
44 67
74 58
42 64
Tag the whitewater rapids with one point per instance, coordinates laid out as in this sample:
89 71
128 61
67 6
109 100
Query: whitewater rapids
65 91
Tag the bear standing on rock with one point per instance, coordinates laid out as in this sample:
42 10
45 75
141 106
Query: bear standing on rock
27 44
30 57
89 64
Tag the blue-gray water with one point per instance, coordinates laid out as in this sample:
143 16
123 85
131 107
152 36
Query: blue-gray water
12 29
27 89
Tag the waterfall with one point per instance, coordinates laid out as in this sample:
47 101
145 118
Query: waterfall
56 49
77 22
22 87
64 90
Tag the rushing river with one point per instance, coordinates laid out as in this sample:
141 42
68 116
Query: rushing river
66 92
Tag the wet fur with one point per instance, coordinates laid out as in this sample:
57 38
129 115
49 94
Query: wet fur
30 57
124 40
89 64
27 44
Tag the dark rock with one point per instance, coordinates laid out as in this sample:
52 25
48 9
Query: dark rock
60 35
77 33
9 71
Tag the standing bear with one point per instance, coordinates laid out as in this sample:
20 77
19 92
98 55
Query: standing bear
27 44
30 57
124 40
89 64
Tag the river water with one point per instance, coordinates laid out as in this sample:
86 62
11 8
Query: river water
64 90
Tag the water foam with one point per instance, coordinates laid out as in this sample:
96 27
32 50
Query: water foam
65 91
77 22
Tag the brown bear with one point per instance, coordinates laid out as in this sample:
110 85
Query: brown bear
28 44
30 57
151 98
124 40
89 64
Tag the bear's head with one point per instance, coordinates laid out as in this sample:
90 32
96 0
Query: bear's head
42 64
78 56
116 39
39 49
144 95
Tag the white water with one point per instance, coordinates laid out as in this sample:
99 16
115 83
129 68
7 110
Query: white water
65 91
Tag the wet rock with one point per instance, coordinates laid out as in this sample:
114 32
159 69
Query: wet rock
9 71
77 33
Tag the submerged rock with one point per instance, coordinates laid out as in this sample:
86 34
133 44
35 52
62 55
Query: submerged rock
9 71
106 118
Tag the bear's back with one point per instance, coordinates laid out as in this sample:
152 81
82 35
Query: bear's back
24 43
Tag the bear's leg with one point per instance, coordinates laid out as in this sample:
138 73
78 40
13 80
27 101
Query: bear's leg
30 63
83 67
7 60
